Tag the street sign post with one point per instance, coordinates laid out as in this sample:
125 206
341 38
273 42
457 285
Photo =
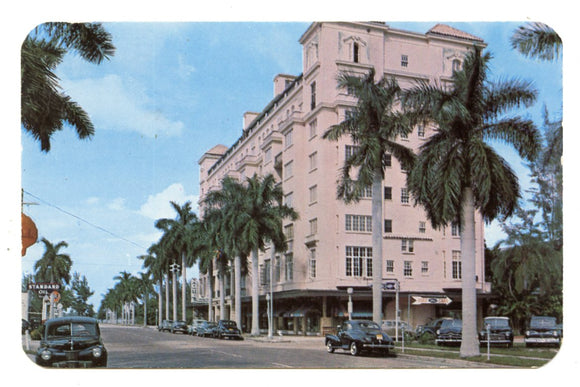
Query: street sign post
390 286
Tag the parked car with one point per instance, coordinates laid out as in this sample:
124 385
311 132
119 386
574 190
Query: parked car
179 326
165 326
542 330
207 329
500 331
449 332
227 329
389 326
356 336
192 328
429 330
71 342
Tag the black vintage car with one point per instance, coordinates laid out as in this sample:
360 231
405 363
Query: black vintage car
357 336
179 326
429 330
449 332
207 329
228 329
165 326
71 342
500 331
543 330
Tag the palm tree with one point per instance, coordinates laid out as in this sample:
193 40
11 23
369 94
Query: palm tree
373 126
179 237
128 289
53 266
145 285
252 216
45 109
537 40
457 172
154 265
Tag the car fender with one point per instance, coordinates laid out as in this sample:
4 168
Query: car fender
333 339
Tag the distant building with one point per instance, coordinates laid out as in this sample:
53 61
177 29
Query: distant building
330 247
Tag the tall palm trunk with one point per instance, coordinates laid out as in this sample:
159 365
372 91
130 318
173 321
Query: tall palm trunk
174 284
377 239
238 289
223 296
469 341
210 315
167 296
255 297
183 288
160 296
145 310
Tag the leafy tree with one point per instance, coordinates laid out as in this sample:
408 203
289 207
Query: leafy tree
45 109
54 266
457 172
374 127
81 292
537 40
179 238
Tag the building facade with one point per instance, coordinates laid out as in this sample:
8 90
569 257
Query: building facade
329 246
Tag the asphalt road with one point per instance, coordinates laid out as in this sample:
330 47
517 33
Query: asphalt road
141 348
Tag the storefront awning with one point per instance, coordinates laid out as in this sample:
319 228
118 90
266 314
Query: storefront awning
301 311
360 312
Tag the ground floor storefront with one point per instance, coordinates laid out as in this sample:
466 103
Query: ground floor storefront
319 312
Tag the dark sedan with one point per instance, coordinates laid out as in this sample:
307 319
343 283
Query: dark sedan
543 330
449 332
500 331
71 342
207 329
356 336
228 329
165 326
179 326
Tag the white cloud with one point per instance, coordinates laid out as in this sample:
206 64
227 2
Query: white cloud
117 204
118 104
158 206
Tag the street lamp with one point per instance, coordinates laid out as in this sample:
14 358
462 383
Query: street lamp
174 268
350 291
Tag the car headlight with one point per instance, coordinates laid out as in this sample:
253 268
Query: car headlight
555 333
46 355
438 331
97 352
527 333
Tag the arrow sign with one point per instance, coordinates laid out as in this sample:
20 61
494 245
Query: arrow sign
433 300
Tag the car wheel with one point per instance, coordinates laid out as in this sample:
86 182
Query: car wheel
354 349
329 347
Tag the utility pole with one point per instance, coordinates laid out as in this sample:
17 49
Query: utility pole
174 269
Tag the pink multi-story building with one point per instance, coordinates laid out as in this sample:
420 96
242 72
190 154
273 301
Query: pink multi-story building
329 253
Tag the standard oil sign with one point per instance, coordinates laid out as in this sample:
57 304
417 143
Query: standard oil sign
43 288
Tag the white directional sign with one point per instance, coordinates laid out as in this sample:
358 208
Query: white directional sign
434 300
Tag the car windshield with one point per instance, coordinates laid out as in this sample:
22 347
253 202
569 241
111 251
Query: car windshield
368 325
211 325
229 324
497 322
543 322
72 329
180 322
451 323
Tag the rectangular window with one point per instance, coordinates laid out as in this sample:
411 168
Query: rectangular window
289 199
456 264
405 195
388 193
312 264
289 272
408 268
361 223
313 194
288 139
277 269
289 232
404 60
390 266
422 227
312 95
407 246
313 160
424 267
421 131
355 50
388 225
455 229
359 261
388 160
288 170
268 155
349 150
313 128
313 226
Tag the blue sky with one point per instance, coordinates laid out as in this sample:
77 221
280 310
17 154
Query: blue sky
171 92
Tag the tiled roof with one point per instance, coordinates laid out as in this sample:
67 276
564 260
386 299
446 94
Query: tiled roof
445 30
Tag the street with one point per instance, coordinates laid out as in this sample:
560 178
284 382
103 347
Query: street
138 347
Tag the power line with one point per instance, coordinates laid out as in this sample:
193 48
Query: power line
83 220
